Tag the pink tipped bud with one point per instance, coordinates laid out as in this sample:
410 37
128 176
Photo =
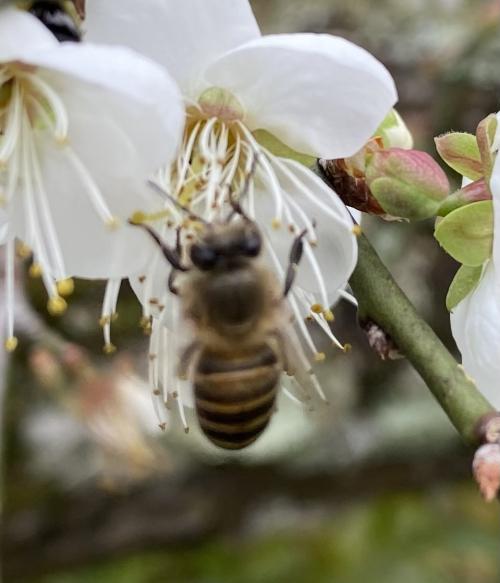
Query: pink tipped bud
473 192
406 183
461 152
486 469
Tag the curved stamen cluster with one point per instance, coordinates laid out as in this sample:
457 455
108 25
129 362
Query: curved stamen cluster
31 109
221 160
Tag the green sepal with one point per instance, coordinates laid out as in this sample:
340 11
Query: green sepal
464 282
467 233
460 151
278 148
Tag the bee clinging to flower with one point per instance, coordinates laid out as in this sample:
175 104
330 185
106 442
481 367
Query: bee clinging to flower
243 332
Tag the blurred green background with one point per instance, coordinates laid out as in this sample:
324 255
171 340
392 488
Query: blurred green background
375 487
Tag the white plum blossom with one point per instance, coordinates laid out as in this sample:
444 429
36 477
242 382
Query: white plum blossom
253 103
475 321
81 128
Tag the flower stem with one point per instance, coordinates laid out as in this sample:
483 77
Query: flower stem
382 300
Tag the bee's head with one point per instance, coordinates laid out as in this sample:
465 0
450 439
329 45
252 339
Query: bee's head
226 244
55 15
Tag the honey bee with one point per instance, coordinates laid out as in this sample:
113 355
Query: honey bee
244 338
55 15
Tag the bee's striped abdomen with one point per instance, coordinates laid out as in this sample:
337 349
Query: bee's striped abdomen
235 395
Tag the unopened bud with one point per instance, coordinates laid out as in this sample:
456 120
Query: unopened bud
473 192
461 152
394 132
407 183
486 469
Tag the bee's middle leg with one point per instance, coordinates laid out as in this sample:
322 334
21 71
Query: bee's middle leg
294 259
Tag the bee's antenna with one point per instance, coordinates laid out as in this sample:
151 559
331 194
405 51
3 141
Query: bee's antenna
155 186
235 203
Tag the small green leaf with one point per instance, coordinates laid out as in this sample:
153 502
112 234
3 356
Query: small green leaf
463 284
280 149
467 233
461 152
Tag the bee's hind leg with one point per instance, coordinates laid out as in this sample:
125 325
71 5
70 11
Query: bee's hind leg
186 359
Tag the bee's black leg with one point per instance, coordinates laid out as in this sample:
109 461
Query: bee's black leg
171 255
294 260
178 249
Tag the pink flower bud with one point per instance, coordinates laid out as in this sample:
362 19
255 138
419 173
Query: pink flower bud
486 469
406 183
473 192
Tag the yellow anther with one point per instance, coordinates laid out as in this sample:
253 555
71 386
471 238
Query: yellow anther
35 270
23 251
276 224
146 326
328 314
109 348
357 230
11 344
104 320
317 309
113 223
56 306
319 356
66 287
347 348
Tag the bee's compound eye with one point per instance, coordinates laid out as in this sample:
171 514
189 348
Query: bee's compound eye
253 244
203 257
56 19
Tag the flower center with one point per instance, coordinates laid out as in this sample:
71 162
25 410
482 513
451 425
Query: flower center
222 104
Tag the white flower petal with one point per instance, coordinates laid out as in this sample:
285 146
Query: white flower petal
89 248
16 25
336 250
475 327
319 94
183 35
118 84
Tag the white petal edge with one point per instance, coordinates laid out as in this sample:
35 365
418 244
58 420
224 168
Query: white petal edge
182 35
475 324
319 94
18 24
134 92
336 250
